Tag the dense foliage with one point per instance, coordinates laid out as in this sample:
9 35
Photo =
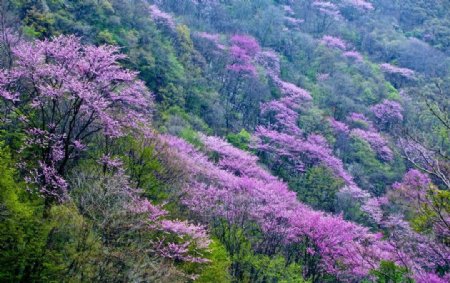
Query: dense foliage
224 141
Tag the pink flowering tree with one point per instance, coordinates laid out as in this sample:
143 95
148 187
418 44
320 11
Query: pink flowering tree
399 76
388 113
353 55
328 9
338 126
230 186
361 5
334 42
240 83
413 188
235 189
425 159
121 215
60 94
359 120
419 254
242 51
391 69
362 128
294 95
282 141
421 199
162 17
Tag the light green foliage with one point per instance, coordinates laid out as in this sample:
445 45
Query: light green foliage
192 88
22 235
312 121
72 249
248 266
389 272
106 37
318 188
240 140
144 167
263 268
218 269
392 92
175 120
191 136
434 211
368 170
55 248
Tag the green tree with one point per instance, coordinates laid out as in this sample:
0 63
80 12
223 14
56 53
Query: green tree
318 188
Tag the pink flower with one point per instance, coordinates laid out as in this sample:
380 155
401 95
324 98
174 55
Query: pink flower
334 42
391 69
388 112
355 55
162 17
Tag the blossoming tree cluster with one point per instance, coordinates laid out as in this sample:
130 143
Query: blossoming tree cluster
63 97
63 93
234 188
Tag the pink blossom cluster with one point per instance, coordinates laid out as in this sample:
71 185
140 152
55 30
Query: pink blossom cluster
270 60
55 186
300 153
290 18
293 21
161 17
338 127
215 37
388 112
184 229
322 77
340 44
110 162
333 9
327 8
355 55
362 128
238 162
293 91
180 240
414 186
417 252
334 42
360 4
373 207
426 159
243 51
67 93
288 10
241 192
391 69
247 43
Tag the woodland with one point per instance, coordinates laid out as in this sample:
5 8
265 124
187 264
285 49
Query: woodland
225 141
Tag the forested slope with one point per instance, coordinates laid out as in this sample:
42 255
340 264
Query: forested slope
224 141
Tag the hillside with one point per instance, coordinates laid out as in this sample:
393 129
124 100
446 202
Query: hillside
224 141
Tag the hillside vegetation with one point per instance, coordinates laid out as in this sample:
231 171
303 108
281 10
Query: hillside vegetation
225 141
